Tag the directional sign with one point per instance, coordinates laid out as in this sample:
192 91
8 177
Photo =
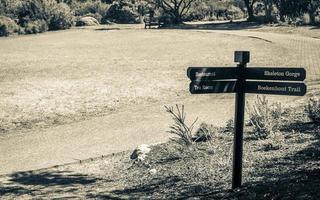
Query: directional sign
206 80
277 88
211 73
286 74
205 87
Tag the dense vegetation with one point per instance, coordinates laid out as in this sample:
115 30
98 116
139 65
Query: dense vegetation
36 16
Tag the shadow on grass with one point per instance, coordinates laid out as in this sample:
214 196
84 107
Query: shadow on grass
315 27
294 176
218 26
106 29
162 188
39 182
50 178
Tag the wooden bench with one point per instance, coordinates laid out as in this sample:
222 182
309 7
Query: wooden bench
152 21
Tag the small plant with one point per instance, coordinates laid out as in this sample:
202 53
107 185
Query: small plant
179 128
204 133
264 117
313 109
229 127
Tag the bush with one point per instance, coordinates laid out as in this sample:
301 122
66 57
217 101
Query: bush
229 127
8 26
56 15
205 133
94 9
121 14
60 17
38 26
31 10
264 117
198 11
235 12
8 7
313 109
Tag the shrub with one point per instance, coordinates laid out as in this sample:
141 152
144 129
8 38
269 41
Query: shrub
264 117
179 128
205 133
38 26
56 15
8 26
89 8
8 7
198 11
121 14
31 10
313 109
166 18
229 127
60 17
235 12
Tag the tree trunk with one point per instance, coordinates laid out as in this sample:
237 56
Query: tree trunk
249 7
312 12
312 17
268 10
177 17
282 10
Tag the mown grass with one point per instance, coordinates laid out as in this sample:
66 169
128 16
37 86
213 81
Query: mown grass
62 77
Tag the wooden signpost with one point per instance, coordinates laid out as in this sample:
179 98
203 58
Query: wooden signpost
205 80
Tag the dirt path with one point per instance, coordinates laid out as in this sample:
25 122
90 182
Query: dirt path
134 124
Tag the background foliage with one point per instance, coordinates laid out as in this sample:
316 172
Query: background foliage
36 16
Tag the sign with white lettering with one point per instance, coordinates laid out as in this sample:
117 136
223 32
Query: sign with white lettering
206 80
285 74
277 88
205 87
211 73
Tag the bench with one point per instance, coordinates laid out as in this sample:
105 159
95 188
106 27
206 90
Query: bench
152 21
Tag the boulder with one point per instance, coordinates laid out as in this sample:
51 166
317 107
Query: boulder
140 153
87 21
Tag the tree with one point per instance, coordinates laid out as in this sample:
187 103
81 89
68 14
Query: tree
291 8
176 8
313 6
268 4
249 5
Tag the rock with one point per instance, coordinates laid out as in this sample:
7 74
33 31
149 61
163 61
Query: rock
152 171
87 21
140 153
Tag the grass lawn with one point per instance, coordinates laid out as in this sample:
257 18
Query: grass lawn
61 77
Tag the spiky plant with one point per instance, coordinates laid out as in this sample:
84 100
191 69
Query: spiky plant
182 132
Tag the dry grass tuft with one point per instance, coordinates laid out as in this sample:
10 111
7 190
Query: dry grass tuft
313 109
180 128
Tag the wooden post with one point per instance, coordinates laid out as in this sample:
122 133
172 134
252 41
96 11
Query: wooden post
243 58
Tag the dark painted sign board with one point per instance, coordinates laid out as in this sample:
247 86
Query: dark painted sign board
267 73
240 80
211 73
205 87
276 88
